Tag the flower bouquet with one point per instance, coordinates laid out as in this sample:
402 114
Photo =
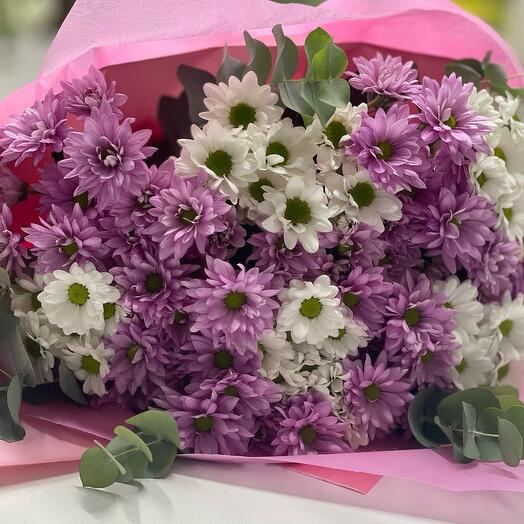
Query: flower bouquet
309 253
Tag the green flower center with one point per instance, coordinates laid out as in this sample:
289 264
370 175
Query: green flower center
343 249
223 359
448 305
341 333
35 303
109 310
308 435
132 350
231 391
220 162
350 299
461 367
262 348
335 131
187 216
180 316
33 347
242 114
503 372
451 122
386 150
372 392
78 294
384 261
297 211
427 357
311 307
90 364
455 221
82 200
412 316
508 213
69 249
506 326
154 282
256 191
482 179
363 194
235 300
278 148
499 152
203 424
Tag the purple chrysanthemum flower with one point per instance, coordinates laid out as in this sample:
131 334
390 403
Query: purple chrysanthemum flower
151 288
140 361
376 394
40 128
186 214
492 273
433 367
309 426
65 238
223 244
208 424
385 76
400 254
287 264
107 158
12 253
90 91
388 145
12 189
237 306
365 293
455 226
417 319
449 119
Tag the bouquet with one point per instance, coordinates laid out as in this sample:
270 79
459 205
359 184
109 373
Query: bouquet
328 255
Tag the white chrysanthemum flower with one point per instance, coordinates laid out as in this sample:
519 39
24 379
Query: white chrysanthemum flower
74 300
511 110
356 434
299 210
461 297
275 349
491 177
328 378
351 337
223 156
511 151
359 198
310 310
511 214
90 364
483 102
294 374
39 337
475 363
239 103
283 148
113 314
24 293
252 195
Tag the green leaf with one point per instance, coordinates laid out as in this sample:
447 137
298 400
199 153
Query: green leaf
193 80
10 399
312 3
506 401
97 470
469 425
292 98
133 439
488 422
495 74
503 389
334 92
229 67
329 62
5 280
310 91
315 42
511 444
259 58
158 424
164 455
515 414
287 57
14 396
421 413
132 459
450 409
69 384
465 71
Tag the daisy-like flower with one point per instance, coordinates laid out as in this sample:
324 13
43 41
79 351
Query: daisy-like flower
360 199
450 119
238 306
283 148
511 152
511 215
74 300
433 366
296 374
274 348
475 363
12 252
107 158
24 293
12 188
224 244
65 238
252 195
310 311
349 339
241 102
300 211
482 102
90 365
388 145
385 76
186 215
461 297
309 426
511 110
90 91
224 157
40 128
376 394
491 178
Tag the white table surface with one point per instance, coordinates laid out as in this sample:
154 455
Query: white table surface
196 493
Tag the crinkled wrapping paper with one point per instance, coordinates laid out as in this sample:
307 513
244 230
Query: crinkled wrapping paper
140 43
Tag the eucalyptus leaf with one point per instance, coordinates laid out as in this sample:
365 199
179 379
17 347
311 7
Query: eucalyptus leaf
259 58
10 399
495 74
334 92
193 80
293 99
506 401
164 453
503 389
469 425
134 440
310 91
14 396
229 67
69 384
488 422
515 414
450 409
133 460
97 470
466 72
315 42
421 413
158 424
511 444
329 62
287 57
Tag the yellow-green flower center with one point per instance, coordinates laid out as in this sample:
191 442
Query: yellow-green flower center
154 282
335 131
278 148
427 357
82 200
242 114
256 191
448 305
363 194
506 326
412 316
341 333
482 179
372 392
69 249
311 307
308 435
220 162
235 300
461 367
231 391
502 372
132 350
297 211
78 294
451 122
223 359
90 364
499 152
109 310
386 150
187 216
179 317
203 424
350 299
508 213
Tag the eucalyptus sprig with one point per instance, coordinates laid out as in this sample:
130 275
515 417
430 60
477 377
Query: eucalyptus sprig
146 451
485 423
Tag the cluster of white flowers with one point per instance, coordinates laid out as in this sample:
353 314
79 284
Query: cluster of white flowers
64 315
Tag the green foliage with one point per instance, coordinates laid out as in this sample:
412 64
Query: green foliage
10 399
485 423
229 67
287 57
69 384
147 451
259 58
193 81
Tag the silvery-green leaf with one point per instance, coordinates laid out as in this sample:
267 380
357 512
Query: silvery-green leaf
310 91
511 444
230 66
465 71
421 413
469 425
287 57
134 440
506 401
329 62
450 408
292 97
315 42
259 58
158 424
69 384
97 469
334 92
193 80
488 422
